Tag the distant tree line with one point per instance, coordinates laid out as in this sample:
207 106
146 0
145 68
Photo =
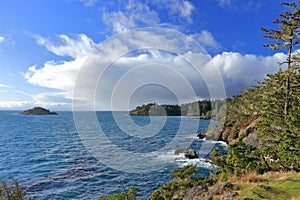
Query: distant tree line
203 109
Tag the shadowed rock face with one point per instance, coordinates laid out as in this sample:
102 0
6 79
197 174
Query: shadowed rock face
188 153
38 111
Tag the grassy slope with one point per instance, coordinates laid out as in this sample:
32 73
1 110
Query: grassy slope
269 186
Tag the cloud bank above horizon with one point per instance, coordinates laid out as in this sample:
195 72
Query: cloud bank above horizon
236 70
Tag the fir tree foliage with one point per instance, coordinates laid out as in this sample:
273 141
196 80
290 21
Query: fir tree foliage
184 179
131 194
274 104
280 114
286 38
12 191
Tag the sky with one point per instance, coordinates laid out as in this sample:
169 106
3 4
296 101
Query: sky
115 55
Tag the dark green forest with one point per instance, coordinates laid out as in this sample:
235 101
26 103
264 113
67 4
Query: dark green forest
202 109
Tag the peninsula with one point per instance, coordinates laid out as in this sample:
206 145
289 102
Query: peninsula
202 109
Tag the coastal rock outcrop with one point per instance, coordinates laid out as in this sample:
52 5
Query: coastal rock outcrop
188 153
247 134
214 136
196 193
201 136
37 111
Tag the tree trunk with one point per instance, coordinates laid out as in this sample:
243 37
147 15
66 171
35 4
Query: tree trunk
287 98
288 87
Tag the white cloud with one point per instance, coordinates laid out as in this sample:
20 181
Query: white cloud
4 86
42 97
23 100
15 104
186 9
53 99
135 14
111 70
77 46
60 76
1 39
236 70
224 3
20 105
179 9
89 2
240 5
207 39
118 21
243 70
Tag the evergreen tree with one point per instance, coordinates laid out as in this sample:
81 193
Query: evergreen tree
287 37
131 194
280 113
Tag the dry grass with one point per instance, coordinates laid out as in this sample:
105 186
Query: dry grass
247 178
252 177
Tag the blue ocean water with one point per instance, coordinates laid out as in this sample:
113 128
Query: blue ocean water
46 155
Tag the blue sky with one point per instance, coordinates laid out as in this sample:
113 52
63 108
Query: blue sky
43 45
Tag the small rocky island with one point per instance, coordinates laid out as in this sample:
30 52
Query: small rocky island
38 111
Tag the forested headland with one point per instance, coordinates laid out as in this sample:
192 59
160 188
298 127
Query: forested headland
202 109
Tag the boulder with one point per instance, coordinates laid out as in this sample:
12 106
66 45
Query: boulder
180 150
191 154
221 188
249 135
201 136
213 136
188 153
251 140
196 193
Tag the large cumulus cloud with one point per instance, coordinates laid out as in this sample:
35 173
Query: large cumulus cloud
107 65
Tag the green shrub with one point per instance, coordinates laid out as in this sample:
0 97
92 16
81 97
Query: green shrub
184 180
12 191
131 194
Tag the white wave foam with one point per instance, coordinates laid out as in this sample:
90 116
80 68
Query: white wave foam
198 162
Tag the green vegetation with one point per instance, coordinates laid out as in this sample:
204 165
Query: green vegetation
184 179
279 125
203 109
274 105
273 185
156 110
131 194
12 191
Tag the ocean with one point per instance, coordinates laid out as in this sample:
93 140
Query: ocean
57 157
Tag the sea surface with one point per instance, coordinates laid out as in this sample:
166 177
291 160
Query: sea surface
47 156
